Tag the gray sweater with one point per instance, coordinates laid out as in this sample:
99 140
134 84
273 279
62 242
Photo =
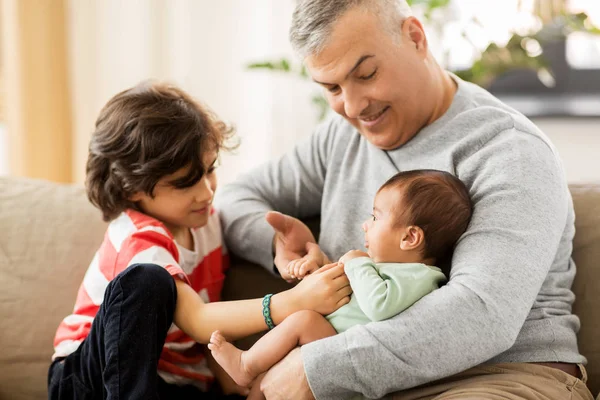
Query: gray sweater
508 298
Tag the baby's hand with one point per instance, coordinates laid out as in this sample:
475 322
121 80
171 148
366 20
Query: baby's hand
308 264
351 255
301 267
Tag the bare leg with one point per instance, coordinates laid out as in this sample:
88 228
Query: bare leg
228 386
244 366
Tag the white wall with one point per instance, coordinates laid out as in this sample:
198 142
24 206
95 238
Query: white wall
203 46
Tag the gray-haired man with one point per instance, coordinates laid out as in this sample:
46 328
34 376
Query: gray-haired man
502 327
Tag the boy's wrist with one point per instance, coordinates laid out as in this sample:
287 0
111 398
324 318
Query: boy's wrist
281 305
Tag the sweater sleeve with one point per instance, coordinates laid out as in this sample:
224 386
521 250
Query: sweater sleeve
383 293
292 185
521 203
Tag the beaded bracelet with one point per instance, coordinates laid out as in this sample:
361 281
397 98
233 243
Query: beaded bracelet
266 303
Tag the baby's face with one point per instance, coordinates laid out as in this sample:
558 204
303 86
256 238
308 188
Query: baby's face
382 237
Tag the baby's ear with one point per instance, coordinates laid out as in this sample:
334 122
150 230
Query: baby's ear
412 238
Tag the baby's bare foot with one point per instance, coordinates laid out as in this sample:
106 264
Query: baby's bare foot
230 358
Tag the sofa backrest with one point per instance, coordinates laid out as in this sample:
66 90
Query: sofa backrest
49 233
586 253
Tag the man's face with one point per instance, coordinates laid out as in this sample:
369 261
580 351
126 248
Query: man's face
378 82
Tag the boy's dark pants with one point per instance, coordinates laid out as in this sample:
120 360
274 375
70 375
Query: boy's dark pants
119 357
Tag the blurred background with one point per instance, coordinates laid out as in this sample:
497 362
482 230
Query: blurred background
61 60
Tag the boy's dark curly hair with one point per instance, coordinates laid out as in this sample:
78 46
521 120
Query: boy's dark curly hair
143 134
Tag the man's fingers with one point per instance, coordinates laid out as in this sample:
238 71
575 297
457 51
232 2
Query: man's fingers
313 248
280 222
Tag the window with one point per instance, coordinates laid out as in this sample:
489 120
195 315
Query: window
467 27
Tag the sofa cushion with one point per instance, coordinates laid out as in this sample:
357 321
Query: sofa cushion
586 253
49 235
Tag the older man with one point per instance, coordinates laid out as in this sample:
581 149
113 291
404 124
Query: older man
502 327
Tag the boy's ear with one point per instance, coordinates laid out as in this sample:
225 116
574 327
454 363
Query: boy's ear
137 196
412 238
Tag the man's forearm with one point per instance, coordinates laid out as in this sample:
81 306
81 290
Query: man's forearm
407 348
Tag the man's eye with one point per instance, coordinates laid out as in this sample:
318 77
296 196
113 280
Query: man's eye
366 78
333 89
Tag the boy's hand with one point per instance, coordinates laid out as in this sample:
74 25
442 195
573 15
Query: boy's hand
323 291
351 255
314 260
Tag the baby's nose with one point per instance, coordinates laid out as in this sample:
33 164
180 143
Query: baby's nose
365 225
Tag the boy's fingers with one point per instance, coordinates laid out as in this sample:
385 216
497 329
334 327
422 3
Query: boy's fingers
334 271
343 301
327 267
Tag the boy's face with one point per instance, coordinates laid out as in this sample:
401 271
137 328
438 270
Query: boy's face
182 208
382 237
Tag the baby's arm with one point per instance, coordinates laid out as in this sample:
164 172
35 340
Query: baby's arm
382 296
312 261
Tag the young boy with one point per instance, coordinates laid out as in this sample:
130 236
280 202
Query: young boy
143 305
418 216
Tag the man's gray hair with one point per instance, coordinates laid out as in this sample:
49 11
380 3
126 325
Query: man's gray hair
313 20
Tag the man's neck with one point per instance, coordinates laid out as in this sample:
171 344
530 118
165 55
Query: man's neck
444 92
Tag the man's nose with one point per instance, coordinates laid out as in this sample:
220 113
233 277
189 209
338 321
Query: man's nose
354 103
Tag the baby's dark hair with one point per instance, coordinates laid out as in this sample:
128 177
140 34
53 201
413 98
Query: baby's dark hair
438 203
143 134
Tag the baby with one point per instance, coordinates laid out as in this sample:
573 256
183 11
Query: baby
418 217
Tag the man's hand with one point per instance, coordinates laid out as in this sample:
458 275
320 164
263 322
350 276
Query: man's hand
308 264
351 255
287 380
289 242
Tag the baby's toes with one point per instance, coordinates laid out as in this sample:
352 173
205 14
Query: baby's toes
216 338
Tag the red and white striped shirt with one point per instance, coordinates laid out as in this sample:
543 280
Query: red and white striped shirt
134 238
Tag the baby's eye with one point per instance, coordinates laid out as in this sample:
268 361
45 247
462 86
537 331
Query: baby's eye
373 217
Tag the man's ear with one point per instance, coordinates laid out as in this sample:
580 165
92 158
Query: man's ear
413 30
412 238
